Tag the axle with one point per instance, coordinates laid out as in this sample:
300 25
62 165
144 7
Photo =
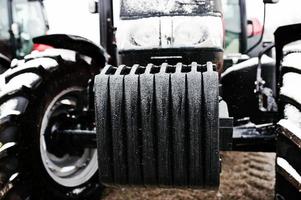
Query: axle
240 138
77 138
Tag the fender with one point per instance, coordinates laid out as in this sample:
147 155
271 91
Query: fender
76 43
4 62
238 84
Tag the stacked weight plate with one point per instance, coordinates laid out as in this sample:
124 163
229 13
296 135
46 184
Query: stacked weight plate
158 125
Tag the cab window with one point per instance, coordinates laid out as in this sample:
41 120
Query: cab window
28 16
4 21
232 17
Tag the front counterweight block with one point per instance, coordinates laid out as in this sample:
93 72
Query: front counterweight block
158 125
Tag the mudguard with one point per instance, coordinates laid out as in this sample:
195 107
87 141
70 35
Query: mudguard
75 43
283 36
238 84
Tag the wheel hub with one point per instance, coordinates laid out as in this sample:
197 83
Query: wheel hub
66 164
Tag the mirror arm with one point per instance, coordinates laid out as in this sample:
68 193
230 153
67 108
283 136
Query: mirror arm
262 34
259 83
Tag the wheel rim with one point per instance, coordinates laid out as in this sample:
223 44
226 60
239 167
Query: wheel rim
67 170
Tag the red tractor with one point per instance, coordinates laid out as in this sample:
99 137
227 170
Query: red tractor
20 21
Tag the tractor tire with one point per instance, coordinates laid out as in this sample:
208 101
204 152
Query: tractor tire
288 160
2 69
4 63
39 93
158 125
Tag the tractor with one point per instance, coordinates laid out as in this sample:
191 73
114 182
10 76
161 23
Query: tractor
152 106
20 21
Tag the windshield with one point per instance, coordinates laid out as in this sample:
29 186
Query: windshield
147 8
30 18
4 22
232 20
29 15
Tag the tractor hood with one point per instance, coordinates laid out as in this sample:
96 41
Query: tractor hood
165 24
170 32
130 9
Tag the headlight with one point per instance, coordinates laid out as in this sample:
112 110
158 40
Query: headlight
138 34
170 32
198 31
189 34
145 35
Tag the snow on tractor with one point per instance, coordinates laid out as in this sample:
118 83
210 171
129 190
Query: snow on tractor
72 122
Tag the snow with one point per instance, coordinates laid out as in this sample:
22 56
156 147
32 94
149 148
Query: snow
13 177
289 169
289 125
64 53
223 109
293 114
248 63
2 82
291 86
7 146
292 60
26 79
293 46
164 7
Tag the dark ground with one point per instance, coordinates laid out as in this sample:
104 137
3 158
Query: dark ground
245 176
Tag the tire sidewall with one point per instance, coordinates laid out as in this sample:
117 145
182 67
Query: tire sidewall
67 76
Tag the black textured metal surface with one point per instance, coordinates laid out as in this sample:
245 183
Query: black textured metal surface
211 120
132 119
149 142
103 125
116 99
194 96
158 125
179 127
163 126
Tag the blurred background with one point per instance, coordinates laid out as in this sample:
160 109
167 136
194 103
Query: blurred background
64 16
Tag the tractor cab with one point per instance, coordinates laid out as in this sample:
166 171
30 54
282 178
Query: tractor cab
167 31
20 21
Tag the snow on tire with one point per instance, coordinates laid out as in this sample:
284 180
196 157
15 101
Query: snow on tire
33 87
288 162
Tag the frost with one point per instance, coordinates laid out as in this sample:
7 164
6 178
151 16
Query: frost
138 8
289 169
